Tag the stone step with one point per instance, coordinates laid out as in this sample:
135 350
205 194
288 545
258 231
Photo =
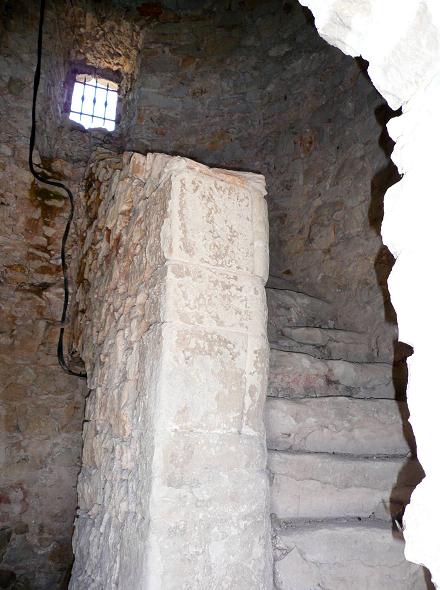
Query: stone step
295 375
339 425
300 323
324 343
344 557
316 486
289 309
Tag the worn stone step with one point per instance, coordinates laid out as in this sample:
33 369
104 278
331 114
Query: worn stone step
293 375
289 309
317 486
325 343
344 557
339 425
301 323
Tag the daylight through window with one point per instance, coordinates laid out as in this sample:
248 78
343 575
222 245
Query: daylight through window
94 102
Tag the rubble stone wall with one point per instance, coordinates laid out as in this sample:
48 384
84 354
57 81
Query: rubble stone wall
41 408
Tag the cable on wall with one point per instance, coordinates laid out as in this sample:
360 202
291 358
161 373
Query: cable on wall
40 178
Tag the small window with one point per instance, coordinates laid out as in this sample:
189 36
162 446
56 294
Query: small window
94 102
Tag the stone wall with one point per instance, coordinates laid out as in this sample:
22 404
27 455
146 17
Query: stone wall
244 85
250 86
173 491
41 407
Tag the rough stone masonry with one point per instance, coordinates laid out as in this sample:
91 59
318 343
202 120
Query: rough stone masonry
245 85
171 325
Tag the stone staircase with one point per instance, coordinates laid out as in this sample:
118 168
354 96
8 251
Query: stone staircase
341 456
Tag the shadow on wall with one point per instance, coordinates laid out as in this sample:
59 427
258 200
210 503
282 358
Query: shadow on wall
412 472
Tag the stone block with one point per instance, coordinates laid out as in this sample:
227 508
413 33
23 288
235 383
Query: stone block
343 557
202 296
318 486
326 343
212 222
185 456
288 309
294 375
203 379
208 522
339 425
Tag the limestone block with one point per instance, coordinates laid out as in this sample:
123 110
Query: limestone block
343 557
208 369
213 218
339 425
317 486
187 455
212 298
296 375
207 523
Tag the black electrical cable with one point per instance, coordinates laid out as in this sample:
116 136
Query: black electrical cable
40 178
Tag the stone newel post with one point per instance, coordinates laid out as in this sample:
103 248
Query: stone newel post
173 491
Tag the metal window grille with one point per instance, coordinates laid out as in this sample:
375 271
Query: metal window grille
94 102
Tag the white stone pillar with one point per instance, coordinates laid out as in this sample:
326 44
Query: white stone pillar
173 490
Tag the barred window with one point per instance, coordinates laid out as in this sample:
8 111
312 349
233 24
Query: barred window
94 102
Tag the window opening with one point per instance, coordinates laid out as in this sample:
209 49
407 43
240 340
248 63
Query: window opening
94 102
